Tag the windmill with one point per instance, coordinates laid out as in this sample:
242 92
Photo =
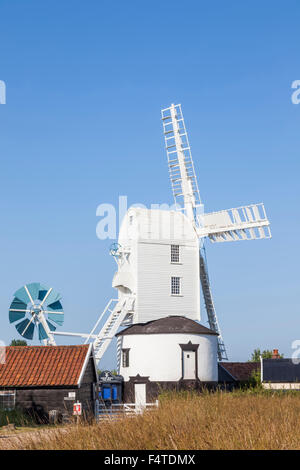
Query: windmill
157 275
242 223
36 308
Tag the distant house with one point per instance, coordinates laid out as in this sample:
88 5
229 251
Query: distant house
234 374
38 379
280 374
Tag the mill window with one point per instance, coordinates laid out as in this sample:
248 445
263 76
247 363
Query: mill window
174 253
125 357
175 285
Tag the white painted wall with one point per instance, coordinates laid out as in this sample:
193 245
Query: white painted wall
159 356
281 386
149 235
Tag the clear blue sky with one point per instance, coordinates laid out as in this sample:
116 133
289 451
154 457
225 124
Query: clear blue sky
85 85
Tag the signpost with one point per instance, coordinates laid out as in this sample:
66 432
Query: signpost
77 410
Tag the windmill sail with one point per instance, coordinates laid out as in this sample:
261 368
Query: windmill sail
185 191
242 223
181 166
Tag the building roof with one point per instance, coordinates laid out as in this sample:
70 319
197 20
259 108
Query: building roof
171 324
43 366
238 370
280 370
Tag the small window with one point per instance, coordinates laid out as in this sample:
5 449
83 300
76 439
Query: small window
175 286
125 357
7 400
174 253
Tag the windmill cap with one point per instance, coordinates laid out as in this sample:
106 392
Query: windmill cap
167 325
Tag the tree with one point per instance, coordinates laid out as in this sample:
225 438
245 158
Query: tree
266 354
18 342
113 372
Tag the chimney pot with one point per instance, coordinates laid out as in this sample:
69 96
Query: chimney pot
275 354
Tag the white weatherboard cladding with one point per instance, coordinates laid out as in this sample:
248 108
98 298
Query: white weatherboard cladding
159 356
154 299
148 235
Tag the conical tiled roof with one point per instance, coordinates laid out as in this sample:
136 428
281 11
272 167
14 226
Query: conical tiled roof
167 325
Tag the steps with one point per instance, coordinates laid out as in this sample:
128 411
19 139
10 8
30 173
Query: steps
209 305
111 326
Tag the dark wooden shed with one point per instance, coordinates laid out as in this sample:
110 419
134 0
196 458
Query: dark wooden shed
38 379
235 374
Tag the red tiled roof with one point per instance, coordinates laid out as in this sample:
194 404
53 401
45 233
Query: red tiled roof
241 370
40 366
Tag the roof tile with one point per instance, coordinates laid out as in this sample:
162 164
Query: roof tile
170 324
28 366
241 370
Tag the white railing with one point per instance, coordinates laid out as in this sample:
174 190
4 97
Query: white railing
119 410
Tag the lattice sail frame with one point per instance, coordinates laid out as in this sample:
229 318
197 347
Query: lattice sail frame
242 223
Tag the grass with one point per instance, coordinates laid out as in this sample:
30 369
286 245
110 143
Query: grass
16 417
238 420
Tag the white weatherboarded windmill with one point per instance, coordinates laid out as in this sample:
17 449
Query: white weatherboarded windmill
160 254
